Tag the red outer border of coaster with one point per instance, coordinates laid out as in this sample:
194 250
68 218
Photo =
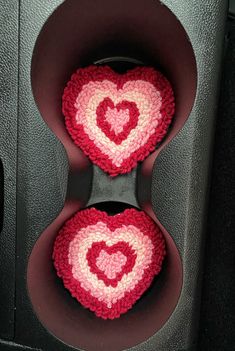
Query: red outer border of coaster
98 73
91 216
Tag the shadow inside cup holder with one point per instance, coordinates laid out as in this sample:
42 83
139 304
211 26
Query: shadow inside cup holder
77 34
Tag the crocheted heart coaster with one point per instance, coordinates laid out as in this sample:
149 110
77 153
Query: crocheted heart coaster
108 262
117 119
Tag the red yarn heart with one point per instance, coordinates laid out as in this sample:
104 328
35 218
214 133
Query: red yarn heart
106 127
123 247
95 90
92 240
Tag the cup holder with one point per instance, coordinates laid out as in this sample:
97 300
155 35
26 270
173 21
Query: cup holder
66 319
77 34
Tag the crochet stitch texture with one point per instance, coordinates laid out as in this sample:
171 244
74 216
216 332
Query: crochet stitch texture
117 119
108 262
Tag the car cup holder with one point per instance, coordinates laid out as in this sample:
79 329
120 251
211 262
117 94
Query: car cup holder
52 65
76 34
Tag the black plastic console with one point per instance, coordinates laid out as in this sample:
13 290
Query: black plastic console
45 178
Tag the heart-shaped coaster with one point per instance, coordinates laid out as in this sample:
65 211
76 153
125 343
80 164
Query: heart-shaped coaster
108 262
117 119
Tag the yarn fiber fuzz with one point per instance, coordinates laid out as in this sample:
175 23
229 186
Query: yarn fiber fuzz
108 262
117 119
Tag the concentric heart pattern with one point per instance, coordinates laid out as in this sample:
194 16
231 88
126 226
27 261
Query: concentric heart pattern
117 119
108 262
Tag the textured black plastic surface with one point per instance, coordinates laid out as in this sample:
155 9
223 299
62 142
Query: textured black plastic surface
8 147
1 195
232 7
179 184
217 321
180 178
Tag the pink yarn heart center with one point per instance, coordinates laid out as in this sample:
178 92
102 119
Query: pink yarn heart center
112 264
117 119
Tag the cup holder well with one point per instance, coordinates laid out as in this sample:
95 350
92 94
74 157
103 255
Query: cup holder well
66 319
78 34
85 31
